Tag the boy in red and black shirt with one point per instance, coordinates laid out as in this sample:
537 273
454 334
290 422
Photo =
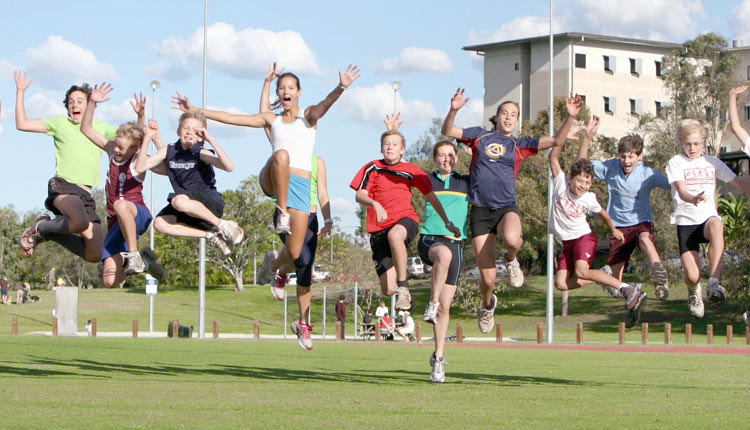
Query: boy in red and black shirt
384 186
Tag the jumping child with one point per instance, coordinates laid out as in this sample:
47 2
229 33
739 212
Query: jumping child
195 208
629 184
384 187
127 215
693 178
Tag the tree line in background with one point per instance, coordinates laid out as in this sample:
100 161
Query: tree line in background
697 77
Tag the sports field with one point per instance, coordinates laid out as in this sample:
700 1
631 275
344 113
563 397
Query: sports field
228 383
165 383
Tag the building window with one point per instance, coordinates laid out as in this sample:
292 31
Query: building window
636 106
580 61
609 105
748 72
659 107
747 112
609 64
658 69
583 98
635 66
517 67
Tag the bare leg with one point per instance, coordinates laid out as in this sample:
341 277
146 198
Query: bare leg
112 273
484 249
194 208
304 298
298 221
714 232
280 173
167 224
397 241
509 228
126 213
441 328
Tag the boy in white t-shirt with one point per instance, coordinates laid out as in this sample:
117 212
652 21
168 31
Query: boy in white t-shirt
734 118
571 202
693 178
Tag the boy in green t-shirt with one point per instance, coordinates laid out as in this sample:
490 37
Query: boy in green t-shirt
76 226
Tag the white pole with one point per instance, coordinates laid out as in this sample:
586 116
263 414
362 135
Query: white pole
202 241
550 239
154 86
285 313
356 289
325 296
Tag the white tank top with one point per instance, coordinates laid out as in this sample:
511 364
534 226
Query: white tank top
298 138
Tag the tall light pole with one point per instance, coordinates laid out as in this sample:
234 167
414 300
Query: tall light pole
396 86
149 279
550 238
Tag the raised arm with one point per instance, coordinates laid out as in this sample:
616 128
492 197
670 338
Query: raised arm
323 200
392 122
457 102
218 158
157 163
255 121
554 160
583 151
23 123
139 106
734 116
98 95
315 112
573 105
265 93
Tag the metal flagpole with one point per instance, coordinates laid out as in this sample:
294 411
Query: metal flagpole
151 282
202 241
550 238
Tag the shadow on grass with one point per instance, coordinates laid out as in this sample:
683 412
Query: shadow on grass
101 369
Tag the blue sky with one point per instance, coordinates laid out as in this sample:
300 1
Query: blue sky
416 42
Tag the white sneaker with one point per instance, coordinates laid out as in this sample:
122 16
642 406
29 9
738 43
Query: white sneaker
282 223
265 271
231 232
430 312
515 275
403 300
438 369
661 280
214 239
695 304
303 332
133 263
278 286
486 317
715 292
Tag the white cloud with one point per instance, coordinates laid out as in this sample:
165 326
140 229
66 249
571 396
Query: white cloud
661 20
371 104
39 105
244 53
415 59
343 208
58 63
471 115
738 22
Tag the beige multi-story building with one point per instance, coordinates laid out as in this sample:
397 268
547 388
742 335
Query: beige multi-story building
617 76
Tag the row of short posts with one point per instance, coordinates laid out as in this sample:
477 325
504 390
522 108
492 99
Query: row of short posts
459 331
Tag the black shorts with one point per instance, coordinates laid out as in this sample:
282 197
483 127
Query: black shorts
304 263
456 247
381 249
216 208
60 187
484 220
690 237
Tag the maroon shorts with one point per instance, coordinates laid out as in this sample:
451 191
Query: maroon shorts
582 248
619 252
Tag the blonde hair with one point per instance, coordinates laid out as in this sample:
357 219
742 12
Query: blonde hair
130 130
686 127
393 133
193 115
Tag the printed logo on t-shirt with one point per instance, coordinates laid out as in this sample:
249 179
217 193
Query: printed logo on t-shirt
587 255
495 150
569 207
121 183
700 175
185 166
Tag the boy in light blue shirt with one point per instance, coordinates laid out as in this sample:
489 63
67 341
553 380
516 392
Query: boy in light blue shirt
629 184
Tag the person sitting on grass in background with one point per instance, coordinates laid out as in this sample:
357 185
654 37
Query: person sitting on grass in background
693 177
195 207
127 214
571 202
629 184
384 187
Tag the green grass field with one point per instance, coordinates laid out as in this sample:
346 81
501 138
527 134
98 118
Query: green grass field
98 383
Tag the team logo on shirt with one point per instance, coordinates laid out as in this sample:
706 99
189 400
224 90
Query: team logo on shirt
495 150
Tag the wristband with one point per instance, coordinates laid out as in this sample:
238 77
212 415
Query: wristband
343 88
328 221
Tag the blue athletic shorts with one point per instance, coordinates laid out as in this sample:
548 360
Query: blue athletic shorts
299 193
114 241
